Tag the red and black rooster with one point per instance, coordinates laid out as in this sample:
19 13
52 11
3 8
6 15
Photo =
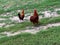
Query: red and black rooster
21 16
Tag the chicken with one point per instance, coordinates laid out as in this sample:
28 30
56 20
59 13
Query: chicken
34 19
21 16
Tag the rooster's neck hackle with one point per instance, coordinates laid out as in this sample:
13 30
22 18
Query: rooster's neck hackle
35 12
22 13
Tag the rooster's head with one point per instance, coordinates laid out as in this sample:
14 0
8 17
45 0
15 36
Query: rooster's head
35 12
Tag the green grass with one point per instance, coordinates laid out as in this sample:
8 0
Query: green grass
49 37
45 21
22 26
58 12
5 21
25 4
6 17
16 27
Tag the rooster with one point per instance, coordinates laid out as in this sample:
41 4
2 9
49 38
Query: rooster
34 19
21 16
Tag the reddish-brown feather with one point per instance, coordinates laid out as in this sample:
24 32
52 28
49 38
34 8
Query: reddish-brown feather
34 19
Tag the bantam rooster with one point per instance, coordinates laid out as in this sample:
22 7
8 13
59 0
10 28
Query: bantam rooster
21 16
34 19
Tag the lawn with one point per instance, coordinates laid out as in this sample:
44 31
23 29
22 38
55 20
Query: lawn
49 37
28 5
23 25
